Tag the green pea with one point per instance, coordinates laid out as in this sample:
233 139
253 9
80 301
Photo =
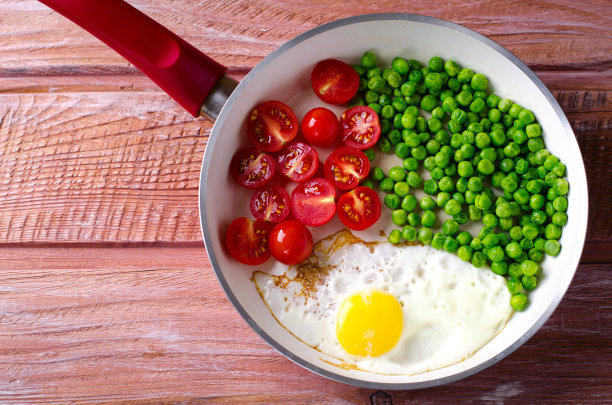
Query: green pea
409 203
479 82
526 116
395 237
386 185
536 201
535 255
401 189
397 173
369 60
376 107
518 301
529 268
452 207
559 218
425 235
414 219
465 75
490 220
464 98
394 79
478 259
428 219
392 201
428 102
514 285
486 167
410 164
384 145
552 232
394 136
399 217
450 227
419 152
409 233
430 187
483 202
513 250
552 247
475 184
402 150
427 203
530 231
499 268
437 173
477 105
451 245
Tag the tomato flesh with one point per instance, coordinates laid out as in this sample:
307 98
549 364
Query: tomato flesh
313 202
270 203
320 126
334 81
271 125
360 127
346 167
359 208
298 161
290 242
252 168
247 241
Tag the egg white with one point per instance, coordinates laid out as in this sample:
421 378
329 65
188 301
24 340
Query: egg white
450 308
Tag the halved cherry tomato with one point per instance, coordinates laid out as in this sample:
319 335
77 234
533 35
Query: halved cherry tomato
334 81
271 125
247 241
298 161
313 202
320 126
359 208
252 168
360 127
290 242
270 203
346 167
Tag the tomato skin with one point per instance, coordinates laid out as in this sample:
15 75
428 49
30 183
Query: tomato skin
247 241
359 208
270 203
346 167
270 125
360 127
252 168
290 242
313 202
298 161
334 81
320 126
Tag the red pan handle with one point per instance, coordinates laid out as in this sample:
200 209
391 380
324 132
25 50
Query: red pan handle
180 69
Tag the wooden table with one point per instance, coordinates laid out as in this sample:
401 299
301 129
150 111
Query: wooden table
106 293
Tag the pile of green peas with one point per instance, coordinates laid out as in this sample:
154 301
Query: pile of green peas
484 160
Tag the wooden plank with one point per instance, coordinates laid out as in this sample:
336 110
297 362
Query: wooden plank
567 34
153 325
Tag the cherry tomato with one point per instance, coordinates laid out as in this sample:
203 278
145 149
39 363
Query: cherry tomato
359 208
360 127
247 241
251 168
346 167
270 203
320 126
290 242
334 81
313 202
298 161
271 125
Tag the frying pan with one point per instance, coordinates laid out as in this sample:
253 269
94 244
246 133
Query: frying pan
200 85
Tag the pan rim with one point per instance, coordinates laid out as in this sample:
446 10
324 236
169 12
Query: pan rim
286 352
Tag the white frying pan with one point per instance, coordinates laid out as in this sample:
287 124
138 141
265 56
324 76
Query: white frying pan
198 83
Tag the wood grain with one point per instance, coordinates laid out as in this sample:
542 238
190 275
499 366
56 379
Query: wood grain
153 325
106 293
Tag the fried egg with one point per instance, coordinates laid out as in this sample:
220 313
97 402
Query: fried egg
387 309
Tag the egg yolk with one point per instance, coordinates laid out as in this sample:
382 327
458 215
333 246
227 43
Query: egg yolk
369 323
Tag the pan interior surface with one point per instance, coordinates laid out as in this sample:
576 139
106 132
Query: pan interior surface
284 76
